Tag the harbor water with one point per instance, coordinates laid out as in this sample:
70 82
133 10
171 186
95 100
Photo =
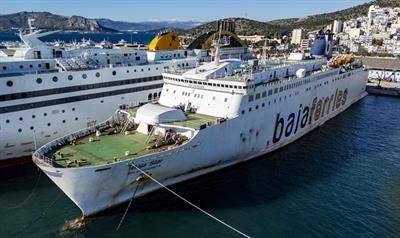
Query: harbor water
341 180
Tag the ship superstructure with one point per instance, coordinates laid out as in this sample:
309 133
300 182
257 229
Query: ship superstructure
216 115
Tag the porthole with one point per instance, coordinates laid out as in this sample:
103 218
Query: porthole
242 112
70 77
63 121
39 66
39 80
45 114
20 130
97 74
21 66
7 121
4 68
63 111
33 116
127 71
31 128
30 66
9 83
84 76
142 70
102 101
49 124
256 107
148 69
134 70
55 79
114 73
76 118
73 109
21 119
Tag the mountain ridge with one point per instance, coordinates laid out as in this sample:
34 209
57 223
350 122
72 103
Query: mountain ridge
274 28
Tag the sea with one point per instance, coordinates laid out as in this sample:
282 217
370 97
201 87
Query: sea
340 180
69 37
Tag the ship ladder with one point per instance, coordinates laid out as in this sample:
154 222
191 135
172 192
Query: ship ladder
150 134
187 201
125 126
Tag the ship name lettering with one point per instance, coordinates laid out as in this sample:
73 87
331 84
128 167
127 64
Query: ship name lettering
308 114
156 161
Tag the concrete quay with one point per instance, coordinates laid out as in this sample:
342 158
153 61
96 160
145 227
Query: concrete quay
384 88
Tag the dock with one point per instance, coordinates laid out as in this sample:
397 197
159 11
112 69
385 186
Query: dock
384 88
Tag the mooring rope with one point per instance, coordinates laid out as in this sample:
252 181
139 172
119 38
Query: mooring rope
190 203
129 205
29 195
39 217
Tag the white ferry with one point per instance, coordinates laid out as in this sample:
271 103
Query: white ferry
47 92
216 115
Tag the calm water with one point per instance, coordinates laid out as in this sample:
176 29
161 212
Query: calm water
342 180
140 37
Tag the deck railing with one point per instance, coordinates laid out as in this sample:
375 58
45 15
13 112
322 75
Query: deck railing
42 151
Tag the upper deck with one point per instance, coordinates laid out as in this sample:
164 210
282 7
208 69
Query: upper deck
89 147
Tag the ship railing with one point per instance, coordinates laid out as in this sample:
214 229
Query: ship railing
42 152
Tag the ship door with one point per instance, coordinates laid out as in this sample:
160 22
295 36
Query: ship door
149 129
37 54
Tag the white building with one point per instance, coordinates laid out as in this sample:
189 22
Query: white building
298 35
337 27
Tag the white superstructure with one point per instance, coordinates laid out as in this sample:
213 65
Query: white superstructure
216 115
47 92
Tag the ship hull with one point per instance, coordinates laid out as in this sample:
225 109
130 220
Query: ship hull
277 121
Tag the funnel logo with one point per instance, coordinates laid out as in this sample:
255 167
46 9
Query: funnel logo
306 115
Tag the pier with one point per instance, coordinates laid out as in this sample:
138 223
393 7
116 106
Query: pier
384 75
384 88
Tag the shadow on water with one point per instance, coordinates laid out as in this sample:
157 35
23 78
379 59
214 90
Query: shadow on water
262 180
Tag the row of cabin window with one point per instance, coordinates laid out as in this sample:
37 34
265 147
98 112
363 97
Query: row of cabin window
207 84
34 116
280 89
21 66
48 124
269 103
10 83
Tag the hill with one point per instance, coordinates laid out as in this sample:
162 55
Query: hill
48 21
280 27
147 25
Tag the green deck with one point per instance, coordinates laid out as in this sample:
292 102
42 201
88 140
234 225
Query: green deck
102 150
109 147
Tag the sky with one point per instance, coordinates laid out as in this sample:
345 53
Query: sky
200 10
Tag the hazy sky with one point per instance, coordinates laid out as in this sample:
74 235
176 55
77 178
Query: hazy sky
202 10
